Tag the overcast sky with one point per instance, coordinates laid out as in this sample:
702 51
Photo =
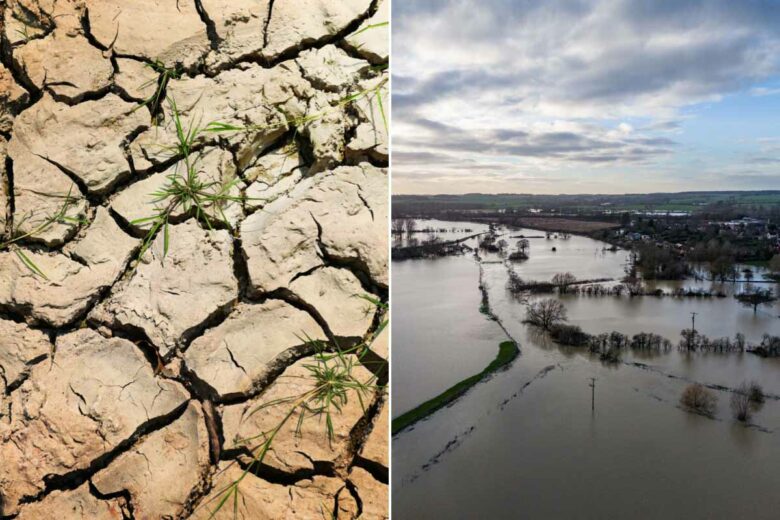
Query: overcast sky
615 96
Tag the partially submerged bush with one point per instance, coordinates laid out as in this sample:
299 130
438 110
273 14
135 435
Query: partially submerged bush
699 399
740 403
611 355
745 400
756 393
569 335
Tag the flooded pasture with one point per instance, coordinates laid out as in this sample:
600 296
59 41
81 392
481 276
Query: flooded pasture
526 443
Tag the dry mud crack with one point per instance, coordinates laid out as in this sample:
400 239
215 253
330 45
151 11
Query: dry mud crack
133 358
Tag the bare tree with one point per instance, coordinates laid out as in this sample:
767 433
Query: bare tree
398 226
411 226
739 341
545 313
690 339
523 245
563 280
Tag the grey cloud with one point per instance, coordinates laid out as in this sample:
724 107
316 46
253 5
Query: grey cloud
583 63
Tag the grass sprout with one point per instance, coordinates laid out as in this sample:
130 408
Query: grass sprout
186 190
165 75
333 383
59 217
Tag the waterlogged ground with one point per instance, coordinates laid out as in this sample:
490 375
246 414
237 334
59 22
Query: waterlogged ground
526 443
133 365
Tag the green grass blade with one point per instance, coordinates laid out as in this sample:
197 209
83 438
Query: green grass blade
29 263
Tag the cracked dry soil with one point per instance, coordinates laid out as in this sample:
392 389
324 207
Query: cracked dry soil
125 382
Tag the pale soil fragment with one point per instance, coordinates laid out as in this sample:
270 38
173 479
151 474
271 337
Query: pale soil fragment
371 40
283 240
136 78
308 498
358 195
260 193
12 97
246 32
74 278
20 347
331 69
170 297
326 132
95 396
78 503
254 341
163 469
280 241
273 175
293 452
289 30
336 294
163 30
376 444
274 164
240 27
66 64
374 496
85 139
262 100
41 191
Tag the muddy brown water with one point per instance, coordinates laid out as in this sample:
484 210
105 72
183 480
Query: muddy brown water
525 444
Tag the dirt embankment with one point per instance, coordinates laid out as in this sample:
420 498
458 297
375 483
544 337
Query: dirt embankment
192 193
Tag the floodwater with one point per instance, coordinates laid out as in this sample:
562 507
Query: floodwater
526 444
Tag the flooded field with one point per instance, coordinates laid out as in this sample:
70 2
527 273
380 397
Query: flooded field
526 444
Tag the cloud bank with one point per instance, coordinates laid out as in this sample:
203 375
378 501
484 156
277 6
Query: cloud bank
575 96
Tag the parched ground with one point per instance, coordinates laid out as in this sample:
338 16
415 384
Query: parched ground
129 376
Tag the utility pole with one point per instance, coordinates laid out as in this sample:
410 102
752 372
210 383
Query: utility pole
592 394
693 321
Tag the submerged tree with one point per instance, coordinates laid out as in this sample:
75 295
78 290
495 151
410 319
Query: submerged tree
545 313
756 298
563 280
523 245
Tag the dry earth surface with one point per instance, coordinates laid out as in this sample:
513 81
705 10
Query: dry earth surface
128 376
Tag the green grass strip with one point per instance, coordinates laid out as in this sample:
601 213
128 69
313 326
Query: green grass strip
507 351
